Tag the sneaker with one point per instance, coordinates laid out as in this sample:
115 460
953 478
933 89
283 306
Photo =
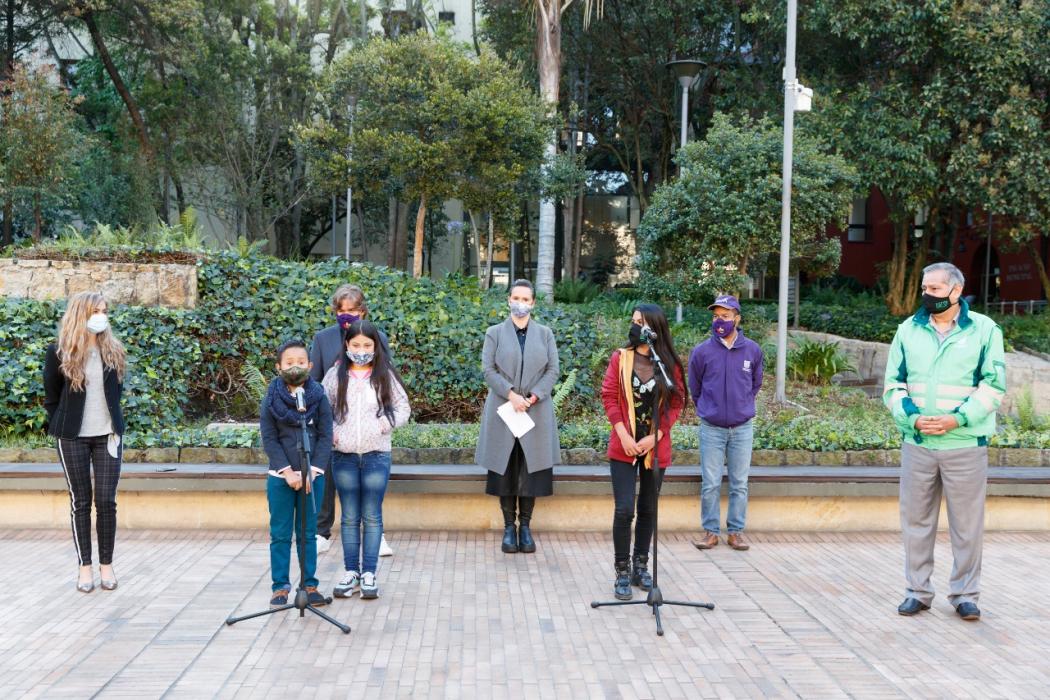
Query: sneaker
347 585
280 597
369 586
384 548
323 544
314 598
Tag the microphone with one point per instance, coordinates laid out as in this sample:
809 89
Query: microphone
300 399
648 334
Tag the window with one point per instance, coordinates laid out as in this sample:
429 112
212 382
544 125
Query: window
449 17
859 231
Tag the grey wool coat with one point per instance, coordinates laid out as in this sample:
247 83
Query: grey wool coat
534 371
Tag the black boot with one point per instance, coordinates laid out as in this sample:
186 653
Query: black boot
622 586
510 536
640 575
510 539
525 542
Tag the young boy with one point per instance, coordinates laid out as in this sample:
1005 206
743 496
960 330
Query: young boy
280 428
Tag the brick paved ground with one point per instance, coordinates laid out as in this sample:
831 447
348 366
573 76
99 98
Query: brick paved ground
798 616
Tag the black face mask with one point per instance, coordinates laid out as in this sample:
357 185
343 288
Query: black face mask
936 305
634 336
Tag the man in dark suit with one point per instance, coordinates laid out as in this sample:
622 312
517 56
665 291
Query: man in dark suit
348 306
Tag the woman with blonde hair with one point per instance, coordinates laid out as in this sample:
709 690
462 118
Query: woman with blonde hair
83 380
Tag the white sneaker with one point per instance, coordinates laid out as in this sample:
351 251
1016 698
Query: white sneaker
347 585
384 548
369 585
323 544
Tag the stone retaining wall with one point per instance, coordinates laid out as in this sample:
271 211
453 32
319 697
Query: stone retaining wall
997 456
1022 369
136 284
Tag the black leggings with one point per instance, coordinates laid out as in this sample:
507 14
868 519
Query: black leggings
80 456
623 481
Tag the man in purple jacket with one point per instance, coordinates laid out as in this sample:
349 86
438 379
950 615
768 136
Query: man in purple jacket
725 374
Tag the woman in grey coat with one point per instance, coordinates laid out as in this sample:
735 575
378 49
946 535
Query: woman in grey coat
520 363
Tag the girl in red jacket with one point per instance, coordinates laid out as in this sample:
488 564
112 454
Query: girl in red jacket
632 389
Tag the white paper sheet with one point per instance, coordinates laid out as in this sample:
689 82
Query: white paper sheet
519 422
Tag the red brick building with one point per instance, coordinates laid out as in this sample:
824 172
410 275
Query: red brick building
1012 276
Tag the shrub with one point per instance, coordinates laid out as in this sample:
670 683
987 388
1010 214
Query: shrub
576 291
816 362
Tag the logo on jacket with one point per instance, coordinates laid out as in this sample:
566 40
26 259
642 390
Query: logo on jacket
747 365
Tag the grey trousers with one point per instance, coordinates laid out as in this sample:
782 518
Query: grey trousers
962 475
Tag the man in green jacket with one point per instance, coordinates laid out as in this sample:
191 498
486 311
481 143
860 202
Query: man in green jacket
945 378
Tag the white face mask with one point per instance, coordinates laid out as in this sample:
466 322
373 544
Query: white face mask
97 323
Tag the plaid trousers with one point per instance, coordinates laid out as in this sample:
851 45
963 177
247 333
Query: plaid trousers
77 457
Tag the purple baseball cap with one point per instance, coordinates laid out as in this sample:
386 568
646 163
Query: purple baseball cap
726 301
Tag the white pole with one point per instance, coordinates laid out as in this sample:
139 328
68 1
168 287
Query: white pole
686 83
349 190
785 201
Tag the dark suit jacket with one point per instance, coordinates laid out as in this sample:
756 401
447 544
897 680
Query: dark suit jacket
327 348
65 407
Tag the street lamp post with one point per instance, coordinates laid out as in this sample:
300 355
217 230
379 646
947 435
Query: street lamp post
796 99
686 70
351 108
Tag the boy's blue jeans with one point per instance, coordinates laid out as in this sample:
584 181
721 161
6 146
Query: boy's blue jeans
284 518
361 481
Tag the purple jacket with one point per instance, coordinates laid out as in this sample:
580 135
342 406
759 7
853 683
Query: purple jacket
724 382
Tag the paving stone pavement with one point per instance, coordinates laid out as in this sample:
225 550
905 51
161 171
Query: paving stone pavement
800 615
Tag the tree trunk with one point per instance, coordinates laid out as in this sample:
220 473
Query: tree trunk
577 252
417 253
548 63
488 258
402 236
9 212
118 85
1040 267
391 233
477 247
904 279
38 219
568 218
8 64
361 231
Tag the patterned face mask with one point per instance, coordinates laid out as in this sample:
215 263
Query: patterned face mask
520 309
295 376
361 358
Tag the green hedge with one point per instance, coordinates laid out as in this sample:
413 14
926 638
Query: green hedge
163 355
189 363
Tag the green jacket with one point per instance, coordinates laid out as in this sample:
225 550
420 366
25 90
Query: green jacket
964 375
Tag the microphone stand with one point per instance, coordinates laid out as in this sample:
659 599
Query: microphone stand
655 598
301 602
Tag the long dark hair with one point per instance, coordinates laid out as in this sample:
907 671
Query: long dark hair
383 372
654 317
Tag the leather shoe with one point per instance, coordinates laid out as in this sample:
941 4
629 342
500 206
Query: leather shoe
709 541
968 611
911 606
526 544
736 541
510 539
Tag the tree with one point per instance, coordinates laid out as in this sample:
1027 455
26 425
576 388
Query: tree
40 144
431 122
910 93
705 230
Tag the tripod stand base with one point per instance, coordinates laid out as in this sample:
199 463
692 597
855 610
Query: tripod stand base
300 604
655 600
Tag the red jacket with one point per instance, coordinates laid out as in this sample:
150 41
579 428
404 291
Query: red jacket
619 408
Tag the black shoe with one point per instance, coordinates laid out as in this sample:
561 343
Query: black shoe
314 597
510 539
279 598
525 542
911 606
968 611
640 573
622 586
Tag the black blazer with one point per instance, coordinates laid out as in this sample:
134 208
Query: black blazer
281 441
65 407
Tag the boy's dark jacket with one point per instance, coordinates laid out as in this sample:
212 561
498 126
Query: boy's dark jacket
281 440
